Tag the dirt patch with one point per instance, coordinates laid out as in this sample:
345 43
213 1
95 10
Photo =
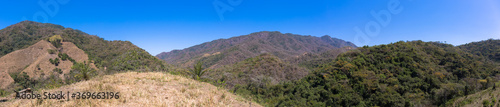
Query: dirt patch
5 79
17 61
34 60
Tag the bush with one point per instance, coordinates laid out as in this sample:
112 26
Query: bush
65 57
56 40
57 70
54 61
486 103
51 82
60 55
72 60
3 93
51 51
23 80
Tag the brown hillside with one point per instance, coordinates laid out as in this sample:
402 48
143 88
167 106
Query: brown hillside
34 60
5 80
17 60
222 52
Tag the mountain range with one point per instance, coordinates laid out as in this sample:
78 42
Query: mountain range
268 67
222 52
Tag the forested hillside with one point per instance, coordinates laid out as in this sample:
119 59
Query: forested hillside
398 74
260 70
488 48
314 60
222 52
112 55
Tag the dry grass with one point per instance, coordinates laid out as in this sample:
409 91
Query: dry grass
143 89
476 99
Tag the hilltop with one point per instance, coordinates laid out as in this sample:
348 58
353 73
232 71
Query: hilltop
143 89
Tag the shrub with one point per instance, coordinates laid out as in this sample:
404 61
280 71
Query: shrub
51 82
57 70
23 80
54 61
72 60
51 51
486 103
63 56
3 93
56 40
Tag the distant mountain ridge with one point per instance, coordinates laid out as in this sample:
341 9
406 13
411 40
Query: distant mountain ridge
487 48
222 52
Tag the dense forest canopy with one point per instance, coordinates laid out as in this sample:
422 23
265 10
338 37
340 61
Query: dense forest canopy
488 48
397 74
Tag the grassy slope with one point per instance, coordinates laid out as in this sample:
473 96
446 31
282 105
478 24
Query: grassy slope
148 89
476 100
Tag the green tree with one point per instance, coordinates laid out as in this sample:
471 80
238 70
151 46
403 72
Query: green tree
197 70
58 70
54 61
56 40
63 56
82 71
23 80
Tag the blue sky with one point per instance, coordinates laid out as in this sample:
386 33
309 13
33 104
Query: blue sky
164 25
